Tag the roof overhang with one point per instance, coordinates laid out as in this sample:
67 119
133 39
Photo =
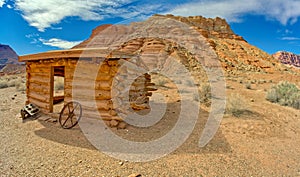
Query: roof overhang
76 53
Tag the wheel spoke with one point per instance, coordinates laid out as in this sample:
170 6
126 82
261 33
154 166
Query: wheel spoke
66 120
71 110
75 107
72 119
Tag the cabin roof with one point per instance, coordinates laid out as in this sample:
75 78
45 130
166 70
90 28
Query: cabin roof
76 53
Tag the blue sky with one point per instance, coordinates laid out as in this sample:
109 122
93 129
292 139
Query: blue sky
31 26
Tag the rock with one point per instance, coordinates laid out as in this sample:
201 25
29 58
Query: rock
122 125
107 123
9 60
18 116
113 123
113 113
135 175
235 54
287 58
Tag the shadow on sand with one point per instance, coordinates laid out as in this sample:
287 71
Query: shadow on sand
75 137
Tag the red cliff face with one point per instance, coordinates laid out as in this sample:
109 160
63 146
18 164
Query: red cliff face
288 58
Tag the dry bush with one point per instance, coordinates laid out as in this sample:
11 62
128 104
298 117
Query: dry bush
248 85
285 94
236 105
160 81
3 84
205 94
20 84
17 81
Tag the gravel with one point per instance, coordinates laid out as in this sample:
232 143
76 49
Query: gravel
42 148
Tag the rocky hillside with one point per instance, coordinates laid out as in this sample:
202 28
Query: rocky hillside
288 58
235 54
9 60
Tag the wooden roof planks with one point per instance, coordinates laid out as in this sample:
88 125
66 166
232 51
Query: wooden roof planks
77 53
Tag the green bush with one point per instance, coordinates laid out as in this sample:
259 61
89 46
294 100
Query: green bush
285 94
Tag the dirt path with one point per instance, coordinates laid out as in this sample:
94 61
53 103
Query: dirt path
241 147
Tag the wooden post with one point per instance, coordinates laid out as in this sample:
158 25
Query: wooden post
51 89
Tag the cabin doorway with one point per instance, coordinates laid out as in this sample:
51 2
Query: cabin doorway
57 88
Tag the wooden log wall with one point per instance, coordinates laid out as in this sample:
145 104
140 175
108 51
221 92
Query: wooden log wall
39 81
109 102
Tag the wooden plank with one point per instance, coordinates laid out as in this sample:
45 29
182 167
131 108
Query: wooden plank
39 80
103 116
76 53
38 103
40 97
39 70
58 99
44 75
100 104
38 87
90 94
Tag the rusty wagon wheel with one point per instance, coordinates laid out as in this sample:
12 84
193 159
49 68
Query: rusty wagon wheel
70 115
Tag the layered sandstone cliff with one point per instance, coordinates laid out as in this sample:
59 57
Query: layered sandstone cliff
288 58
235 53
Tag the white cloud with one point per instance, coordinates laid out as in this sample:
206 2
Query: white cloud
62 44
43 14
290 38
2 2
56 28
9 6
285 12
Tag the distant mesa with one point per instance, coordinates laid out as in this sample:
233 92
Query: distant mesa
288 58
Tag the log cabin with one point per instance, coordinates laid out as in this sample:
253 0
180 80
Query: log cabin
89 76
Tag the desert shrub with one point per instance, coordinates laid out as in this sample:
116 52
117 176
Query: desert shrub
248 85
11 83
178 81
161 81
236 105
20 84
205 94
295 100
285 94
59 83
3 84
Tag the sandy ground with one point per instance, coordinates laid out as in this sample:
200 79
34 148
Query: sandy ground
265 142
